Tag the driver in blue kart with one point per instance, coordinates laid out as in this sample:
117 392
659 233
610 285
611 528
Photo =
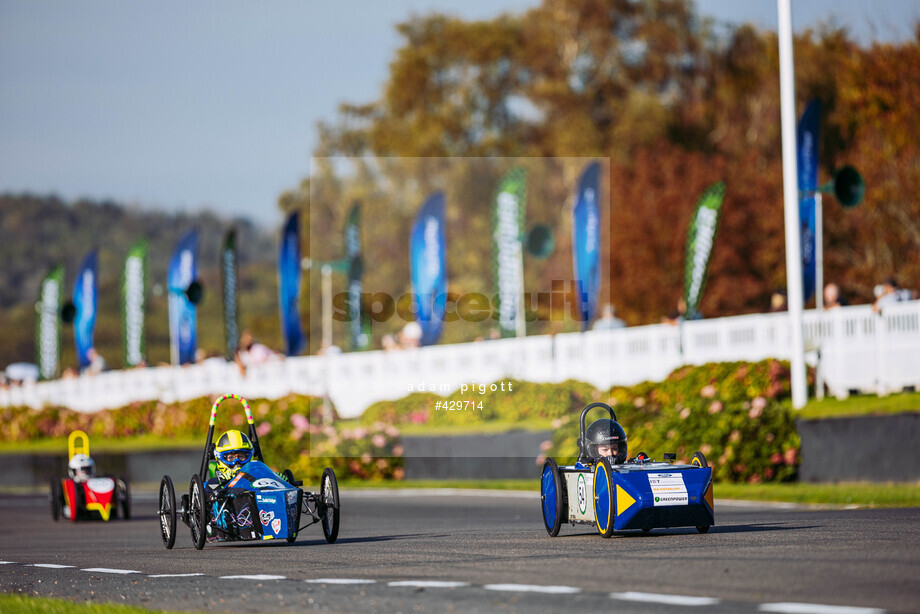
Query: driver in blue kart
606 437
233 450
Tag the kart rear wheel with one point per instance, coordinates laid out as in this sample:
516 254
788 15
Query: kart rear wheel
603 497
698 460
124 498
167 512
551 497
57 499
198 512
288 476
329 495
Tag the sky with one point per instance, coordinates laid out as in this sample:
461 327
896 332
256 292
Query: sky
214 104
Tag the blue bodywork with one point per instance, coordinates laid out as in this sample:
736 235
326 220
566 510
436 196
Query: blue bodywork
277 504
657 495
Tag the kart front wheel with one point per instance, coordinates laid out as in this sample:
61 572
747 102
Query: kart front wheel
57 498
197 512
167 512
551 497
604 497
329 494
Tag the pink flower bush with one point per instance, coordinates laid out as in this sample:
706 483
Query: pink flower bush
715 407
708 391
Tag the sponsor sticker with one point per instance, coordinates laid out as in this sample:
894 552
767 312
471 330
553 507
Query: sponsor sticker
262 499
266 517
276 525
267 483
292 496
668 489
582 494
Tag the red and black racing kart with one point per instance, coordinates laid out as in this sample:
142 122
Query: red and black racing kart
83 495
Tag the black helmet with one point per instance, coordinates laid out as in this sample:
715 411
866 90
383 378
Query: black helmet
606 432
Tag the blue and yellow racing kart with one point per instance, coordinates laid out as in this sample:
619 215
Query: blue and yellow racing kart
257 504
637 494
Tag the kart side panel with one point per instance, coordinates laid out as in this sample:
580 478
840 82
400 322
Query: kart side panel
578 486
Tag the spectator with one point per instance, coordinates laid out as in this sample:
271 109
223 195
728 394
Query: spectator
96 362
329 348
888 293
251 352
608 319
388 343
677 316
410 336
778 301
832 298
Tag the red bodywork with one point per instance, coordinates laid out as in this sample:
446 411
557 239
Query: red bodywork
97 498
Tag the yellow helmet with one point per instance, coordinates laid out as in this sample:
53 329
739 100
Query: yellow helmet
233 450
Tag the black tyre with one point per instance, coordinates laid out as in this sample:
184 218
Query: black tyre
551 497
197 512
698 460
288 476
124 498
167 512
57 499
329 495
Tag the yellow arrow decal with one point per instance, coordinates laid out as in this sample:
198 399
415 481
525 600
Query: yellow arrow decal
623 500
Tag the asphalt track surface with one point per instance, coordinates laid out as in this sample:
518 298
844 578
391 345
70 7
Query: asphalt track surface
477 551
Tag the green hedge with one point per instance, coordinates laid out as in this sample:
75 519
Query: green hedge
518 402
287 428
738 414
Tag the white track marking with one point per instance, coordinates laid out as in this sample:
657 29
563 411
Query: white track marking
428 584
175 575
339 581
254 577
107 570
815 608
7 562
50 566
533 588
665 599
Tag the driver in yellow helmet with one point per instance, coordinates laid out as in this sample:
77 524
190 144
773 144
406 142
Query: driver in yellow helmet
233 450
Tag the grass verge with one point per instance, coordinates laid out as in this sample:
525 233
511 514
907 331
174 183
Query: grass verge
19 604
144 443
861 405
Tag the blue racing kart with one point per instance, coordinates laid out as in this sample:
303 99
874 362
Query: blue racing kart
257 504
637 494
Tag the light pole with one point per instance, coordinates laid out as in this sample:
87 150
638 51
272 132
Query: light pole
791 204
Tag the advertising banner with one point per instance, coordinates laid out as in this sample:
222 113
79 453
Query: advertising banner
586 244
229 277
508 215
807 150
134 303
428 265
183 322
85 300
700 237
48 324
289 285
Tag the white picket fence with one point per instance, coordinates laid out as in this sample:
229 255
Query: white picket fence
855 348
